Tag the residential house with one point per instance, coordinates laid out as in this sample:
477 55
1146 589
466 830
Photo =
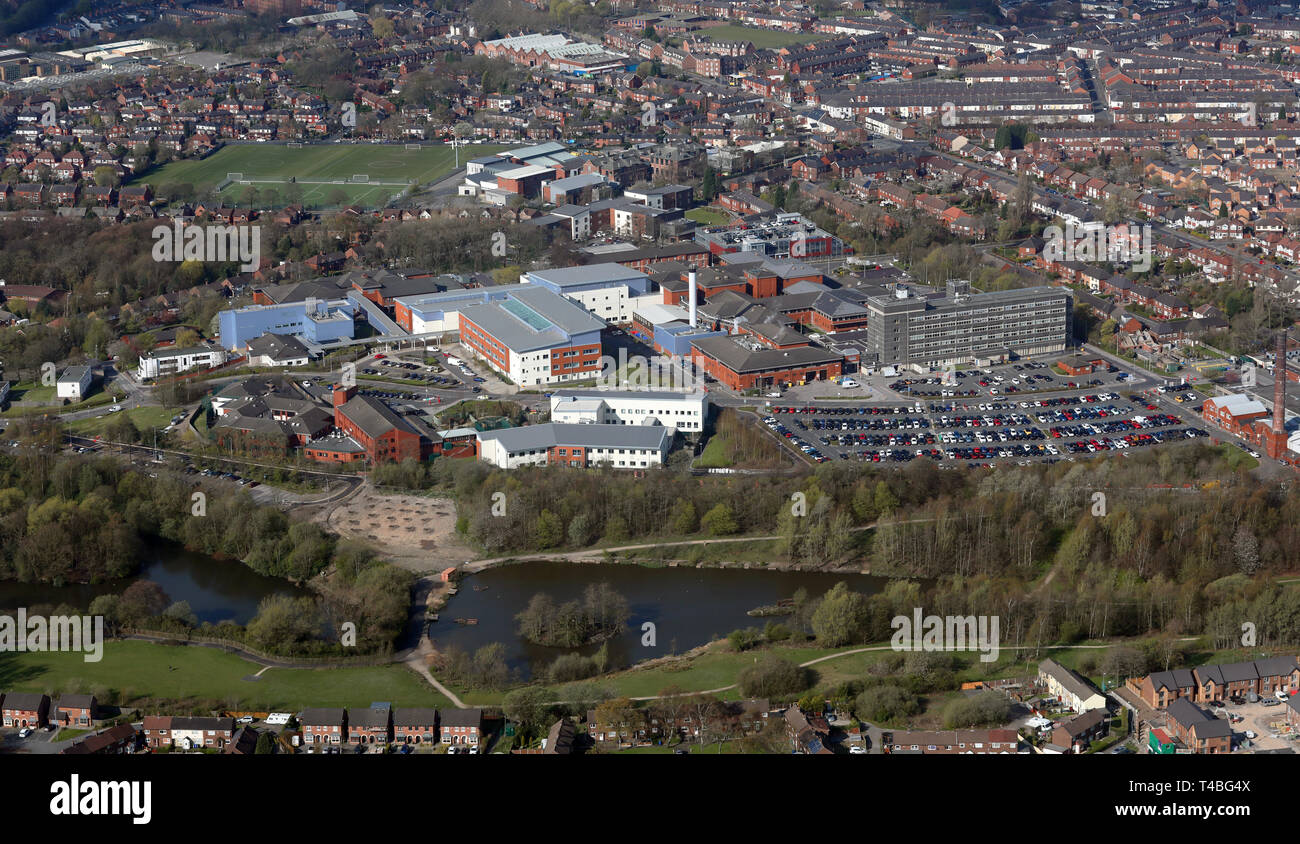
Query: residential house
1069 688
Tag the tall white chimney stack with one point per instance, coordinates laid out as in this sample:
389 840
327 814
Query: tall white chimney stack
690 280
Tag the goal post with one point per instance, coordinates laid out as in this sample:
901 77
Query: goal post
361 177
412 146
235 177
295 145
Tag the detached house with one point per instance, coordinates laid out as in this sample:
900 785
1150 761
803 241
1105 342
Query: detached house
75 711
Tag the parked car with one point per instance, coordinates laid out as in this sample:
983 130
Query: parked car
244 719
24 732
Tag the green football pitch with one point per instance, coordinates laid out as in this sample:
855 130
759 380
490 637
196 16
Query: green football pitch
324 172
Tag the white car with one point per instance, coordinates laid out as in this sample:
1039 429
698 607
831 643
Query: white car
244 719
115 408
1250 734
24 732
857 750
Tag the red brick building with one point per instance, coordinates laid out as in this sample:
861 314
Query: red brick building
383 434
324 726
741 368
370 726
19 709
460 727
415 726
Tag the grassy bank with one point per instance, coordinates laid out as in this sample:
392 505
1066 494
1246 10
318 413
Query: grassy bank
133 672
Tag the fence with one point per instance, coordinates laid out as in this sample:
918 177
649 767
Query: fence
276 660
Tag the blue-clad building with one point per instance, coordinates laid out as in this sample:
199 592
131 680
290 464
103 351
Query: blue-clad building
675 338
317 321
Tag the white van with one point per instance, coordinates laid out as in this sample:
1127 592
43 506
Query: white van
278 719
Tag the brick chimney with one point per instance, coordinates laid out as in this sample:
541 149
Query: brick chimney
1279 385
342 395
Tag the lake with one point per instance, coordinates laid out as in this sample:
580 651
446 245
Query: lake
217 590
688 606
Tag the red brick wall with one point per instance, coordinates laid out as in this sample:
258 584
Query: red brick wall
587 358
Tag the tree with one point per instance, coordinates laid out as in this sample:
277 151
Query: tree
772 677
549 530
531 707
143 599
719 521
620 716
265 744
886 703
685 519
841 617
107 177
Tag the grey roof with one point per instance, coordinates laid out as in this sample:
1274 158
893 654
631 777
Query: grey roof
74 374
24 700
372 416
415 717
277 346
203 723
1276 666
1178 678
587 274
322 717
1202 724
594 436
368 717
460 717
1231 672
641 395
741 359
1068 679
1082 723
556 319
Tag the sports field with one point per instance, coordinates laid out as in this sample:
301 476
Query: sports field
324 173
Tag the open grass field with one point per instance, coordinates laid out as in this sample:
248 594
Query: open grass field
760 38
145 420
321 170
134 670
708 216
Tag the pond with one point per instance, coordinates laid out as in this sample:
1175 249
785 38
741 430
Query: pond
687 606
217 590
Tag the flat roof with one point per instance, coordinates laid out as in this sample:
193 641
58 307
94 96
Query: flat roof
592 435
609 273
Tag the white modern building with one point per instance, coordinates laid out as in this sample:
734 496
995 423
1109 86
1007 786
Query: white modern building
534 337
75 383
616 446
160 364
609 291
676 410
